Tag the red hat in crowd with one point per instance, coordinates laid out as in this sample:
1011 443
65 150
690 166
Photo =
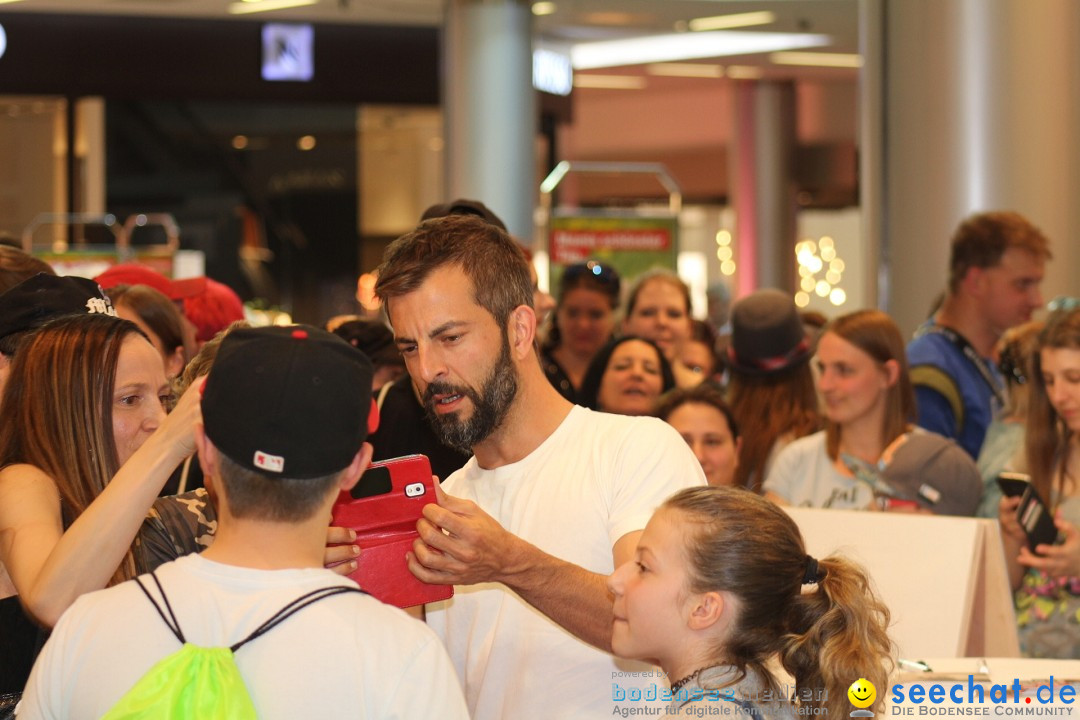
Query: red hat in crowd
213 309
133 274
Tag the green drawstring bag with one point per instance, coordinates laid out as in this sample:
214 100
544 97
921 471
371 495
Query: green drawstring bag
193 682
198 682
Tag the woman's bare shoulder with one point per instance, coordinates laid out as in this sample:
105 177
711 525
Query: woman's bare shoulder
21 483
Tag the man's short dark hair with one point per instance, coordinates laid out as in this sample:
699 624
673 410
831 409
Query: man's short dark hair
254 495
982 239
488 256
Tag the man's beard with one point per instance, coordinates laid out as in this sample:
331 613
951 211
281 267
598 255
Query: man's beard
490 405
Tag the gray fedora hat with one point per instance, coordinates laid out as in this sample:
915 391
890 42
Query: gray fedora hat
767 335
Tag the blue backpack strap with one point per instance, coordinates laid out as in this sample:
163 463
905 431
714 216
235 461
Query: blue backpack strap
170 622
294 607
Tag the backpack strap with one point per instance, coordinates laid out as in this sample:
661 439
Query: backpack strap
277 618
968 351
934 378
174 625
294 607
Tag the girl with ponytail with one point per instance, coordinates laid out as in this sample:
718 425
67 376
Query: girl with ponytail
721 586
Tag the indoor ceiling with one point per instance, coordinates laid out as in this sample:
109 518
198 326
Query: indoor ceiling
566 21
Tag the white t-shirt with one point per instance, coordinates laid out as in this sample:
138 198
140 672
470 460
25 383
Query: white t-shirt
593 480
344 656
805 476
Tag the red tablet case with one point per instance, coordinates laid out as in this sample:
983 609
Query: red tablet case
385 528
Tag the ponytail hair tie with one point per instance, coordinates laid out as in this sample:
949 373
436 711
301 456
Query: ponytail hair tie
811 575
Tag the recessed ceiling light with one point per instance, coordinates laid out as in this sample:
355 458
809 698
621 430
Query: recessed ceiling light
687 46
691 70
610 82
543 8
736 20
255 6
819 59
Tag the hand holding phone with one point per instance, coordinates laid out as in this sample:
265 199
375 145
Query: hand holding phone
383 508
1061 560
1032 514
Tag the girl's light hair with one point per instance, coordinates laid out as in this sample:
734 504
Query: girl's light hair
1047 437
204 359
57 409
1016 351
826 638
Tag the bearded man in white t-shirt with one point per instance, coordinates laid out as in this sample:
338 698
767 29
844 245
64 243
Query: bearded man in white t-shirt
553 499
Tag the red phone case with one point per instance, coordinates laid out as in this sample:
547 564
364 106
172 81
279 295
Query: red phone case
385 528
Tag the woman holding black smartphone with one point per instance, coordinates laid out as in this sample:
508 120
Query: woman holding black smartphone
1047 578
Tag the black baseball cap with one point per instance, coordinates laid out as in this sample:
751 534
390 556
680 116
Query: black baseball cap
39 299
289 402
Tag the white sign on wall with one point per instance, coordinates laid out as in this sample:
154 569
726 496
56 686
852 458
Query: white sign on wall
288 52
552 72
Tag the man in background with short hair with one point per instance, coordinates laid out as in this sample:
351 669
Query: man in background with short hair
995 268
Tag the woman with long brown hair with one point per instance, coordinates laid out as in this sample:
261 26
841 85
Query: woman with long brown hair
721 585
869 409
85 449
1047 577
626 377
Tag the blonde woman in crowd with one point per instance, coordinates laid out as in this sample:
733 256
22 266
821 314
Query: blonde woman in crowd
658 309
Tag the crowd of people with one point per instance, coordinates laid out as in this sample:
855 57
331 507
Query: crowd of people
613 476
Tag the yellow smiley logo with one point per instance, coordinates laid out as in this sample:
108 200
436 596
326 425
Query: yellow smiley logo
862 693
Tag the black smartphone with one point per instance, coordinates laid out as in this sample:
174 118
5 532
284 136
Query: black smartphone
1013 484
1031 513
